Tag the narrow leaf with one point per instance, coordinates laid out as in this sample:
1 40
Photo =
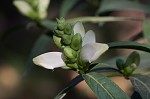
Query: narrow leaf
130 45
72 83
103 87
66 6
146 29
48 24
141 85
110 5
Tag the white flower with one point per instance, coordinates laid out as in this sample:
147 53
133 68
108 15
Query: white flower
27 8
90 50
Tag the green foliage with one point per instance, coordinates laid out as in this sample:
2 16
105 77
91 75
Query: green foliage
146 29
103 87
129 45
65 9
141 85
111 5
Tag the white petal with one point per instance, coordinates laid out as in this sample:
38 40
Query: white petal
79 28
89 38
49 60
23 7
92 51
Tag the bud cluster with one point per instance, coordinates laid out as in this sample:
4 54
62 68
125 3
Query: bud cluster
71 43
128 67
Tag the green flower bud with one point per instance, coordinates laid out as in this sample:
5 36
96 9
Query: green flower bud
134 57
73 65
61 26
76 42
68 29
130 69
70 53
66 39
120 64
60 21
57 41
58 33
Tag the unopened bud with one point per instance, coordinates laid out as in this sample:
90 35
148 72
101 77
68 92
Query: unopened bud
73 65
61 26
130 69
68 29
66 39
76 42
58 33
60 21
57 41
70 53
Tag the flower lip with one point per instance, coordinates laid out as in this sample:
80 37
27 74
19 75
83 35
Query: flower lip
92 51
49 60
89 38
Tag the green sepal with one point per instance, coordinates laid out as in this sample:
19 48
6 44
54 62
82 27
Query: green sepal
66 39
76 42
58 33
57 41
60 21
73 65
68 29
70 53
61 26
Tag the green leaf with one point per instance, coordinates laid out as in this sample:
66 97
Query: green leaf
130 45
72 83
141 85
48 24
103 87
110 5
134 57
66 6
146 29
41 46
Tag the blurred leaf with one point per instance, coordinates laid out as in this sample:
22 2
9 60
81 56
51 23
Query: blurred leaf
25 9
103 87
48 24
72 83
146 29
130 45
66 6
110 5
134 57
141 85
41 46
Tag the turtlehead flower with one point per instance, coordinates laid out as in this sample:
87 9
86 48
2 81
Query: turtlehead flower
89 52
34 9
